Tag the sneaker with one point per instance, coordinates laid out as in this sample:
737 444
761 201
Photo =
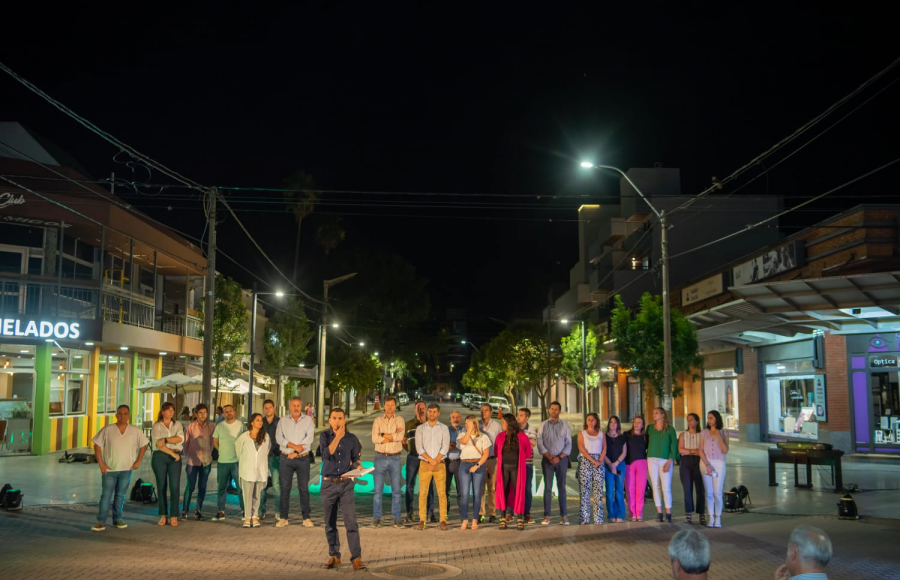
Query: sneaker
308 523
219 517
400 525
121 525
564 521
376 523
277 516
98 527
198 516
546 521
282 524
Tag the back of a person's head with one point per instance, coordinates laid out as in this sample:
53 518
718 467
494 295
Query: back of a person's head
813 546
691 549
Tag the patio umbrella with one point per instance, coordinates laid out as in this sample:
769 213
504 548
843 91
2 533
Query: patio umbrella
172 385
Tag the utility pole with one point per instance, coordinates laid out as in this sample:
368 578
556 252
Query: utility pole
323 336
584 370
667 322
210 303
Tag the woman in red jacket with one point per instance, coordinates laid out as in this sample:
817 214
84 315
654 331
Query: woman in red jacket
512 449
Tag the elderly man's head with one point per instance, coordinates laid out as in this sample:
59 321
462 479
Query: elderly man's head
809 551
689 554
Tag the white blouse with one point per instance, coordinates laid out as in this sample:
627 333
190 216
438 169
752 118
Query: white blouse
160 431
253 463
474 448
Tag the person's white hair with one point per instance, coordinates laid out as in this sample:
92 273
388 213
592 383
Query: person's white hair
813 545
691 549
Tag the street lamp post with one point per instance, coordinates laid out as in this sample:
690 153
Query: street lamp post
472 345
664 263
253 346
584 371
323 336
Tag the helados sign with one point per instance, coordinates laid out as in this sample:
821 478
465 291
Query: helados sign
39 328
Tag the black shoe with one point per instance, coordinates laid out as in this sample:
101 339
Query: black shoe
184 515
659 518
702 519
669 518
492 520
198 516
376 523
433 519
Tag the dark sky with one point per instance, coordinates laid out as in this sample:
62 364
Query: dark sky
450 101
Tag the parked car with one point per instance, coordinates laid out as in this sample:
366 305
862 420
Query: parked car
403 398
499 404
475 401
465 399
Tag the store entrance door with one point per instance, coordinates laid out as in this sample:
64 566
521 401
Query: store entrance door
886 408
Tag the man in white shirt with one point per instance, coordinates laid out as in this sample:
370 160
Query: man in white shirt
224 436
295 437
491 428
432 445
808 553
119 449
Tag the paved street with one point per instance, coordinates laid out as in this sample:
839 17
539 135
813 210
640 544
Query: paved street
55 542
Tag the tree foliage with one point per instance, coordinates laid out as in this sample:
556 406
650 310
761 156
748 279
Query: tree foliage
231 327
287 341
639 342
353 369
300 198
570 366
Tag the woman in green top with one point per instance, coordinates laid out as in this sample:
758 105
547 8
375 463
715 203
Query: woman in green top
661 449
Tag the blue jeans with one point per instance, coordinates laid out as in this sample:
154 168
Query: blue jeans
390 465
615 492
115 486
197 476
559 471
466 482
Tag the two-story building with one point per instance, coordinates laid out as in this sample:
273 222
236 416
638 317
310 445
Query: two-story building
95 299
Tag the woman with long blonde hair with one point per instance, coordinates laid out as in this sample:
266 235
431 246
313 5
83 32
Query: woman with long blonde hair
474 450
662 445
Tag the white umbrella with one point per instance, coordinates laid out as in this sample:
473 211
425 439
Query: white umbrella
242 387
172 384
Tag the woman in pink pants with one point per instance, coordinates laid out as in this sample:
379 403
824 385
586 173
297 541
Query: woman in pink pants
636 468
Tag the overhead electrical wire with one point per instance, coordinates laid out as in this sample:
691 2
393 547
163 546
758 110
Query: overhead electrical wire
802 129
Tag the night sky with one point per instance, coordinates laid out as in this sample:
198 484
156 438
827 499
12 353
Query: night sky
500 103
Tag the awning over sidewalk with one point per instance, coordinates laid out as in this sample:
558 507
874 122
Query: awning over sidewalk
773 311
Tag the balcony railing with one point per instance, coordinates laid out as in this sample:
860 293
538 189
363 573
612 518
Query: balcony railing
111 304
181 325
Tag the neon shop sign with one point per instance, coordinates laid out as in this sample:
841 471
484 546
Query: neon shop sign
39 328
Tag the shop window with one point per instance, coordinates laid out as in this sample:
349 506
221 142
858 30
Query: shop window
790 399
68 385
886 407
112 383
721 394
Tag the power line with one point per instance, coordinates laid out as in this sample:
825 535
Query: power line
802 129
787 211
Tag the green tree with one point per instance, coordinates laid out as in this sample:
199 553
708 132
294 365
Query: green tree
639 342
480 378
286 343
300 197
570 366
231 327
515 357
354 370
549 369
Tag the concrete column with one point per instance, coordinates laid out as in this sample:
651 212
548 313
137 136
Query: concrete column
43 370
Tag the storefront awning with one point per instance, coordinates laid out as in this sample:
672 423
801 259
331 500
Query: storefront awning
773 311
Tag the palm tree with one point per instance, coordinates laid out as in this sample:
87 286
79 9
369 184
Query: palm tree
300 198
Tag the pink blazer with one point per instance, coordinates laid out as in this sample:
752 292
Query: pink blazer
524 454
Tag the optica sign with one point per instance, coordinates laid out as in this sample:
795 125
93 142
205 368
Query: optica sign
39 328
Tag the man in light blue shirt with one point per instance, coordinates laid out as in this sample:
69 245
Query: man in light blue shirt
554 443
808 553
294 435
432 445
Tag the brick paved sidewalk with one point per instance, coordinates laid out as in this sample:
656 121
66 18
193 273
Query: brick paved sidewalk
56 543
